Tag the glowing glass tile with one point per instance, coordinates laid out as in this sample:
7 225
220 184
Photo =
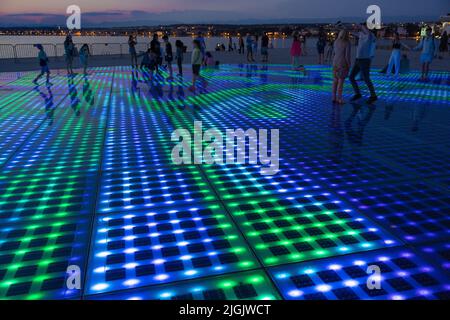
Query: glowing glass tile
125 190
33 198
422 161
252 285
300 228
404 275
68 142
34 258
437 254
415 212
164 245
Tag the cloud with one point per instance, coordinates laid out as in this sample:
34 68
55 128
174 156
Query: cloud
33 14
288 11
105 13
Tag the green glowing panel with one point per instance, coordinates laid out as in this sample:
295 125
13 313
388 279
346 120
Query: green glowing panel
251 285
34 258
39 197
300 228
156 246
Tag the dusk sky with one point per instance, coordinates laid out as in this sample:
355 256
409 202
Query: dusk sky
222 11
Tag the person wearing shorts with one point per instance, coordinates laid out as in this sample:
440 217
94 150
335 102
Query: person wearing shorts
196 61
428 47
43 63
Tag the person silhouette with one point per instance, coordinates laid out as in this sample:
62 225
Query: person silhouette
43 63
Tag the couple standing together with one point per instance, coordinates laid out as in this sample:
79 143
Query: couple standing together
342 63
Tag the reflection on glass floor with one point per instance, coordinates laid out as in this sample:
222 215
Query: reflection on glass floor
87 179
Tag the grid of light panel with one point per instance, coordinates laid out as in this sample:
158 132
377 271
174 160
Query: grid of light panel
68 141
152 186
414 211
425 162
165 245
34 257
7 77
298 228
86 179
301 172
403 275
34 198
47 191
437 253
250 285
26 115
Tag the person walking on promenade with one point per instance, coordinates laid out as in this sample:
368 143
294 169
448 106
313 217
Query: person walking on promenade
330 49
255 46
396 55
84 57
321 43
132 50
230 43
155 48
362 63
296 52
428 47
241 45
341 65
303 39
168 56
249 44
202 42
69 52
179 55
43 63
265 47
196 61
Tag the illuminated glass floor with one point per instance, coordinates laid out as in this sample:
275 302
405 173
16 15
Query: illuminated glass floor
86 179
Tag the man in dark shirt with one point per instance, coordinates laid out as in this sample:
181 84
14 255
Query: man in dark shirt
168 56
155 48
265 47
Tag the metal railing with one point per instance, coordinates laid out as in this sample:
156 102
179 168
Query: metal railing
56 51
19 51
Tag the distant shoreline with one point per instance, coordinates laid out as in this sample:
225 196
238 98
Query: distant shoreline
306 22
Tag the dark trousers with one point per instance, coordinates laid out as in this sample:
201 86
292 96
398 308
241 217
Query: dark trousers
363 66
180 65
